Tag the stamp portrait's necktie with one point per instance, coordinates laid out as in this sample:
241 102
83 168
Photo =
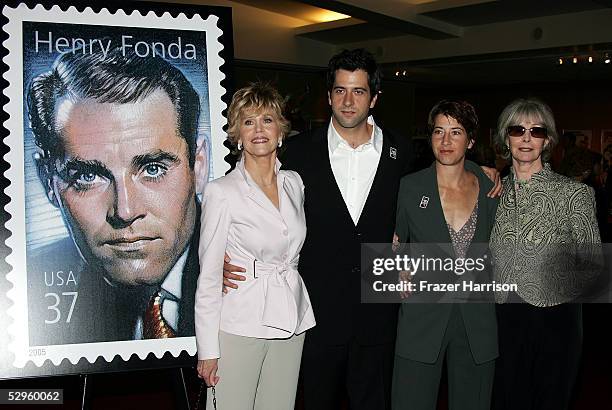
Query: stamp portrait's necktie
154 325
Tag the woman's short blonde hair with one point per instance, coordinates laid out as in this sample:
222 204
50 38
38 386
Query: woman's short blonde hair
526 109
256 97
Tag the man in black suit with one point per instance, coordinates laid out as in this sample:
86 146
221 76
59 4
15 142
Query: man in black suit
118 154
351 171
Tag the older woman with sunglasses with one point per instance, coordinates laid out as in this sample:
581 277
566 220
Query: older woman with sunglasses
544 223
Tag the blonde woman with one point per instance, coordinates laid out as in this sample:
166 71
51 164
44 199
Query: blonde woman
250 340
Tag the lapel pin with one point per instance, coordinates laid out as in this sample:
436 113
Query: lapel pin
424 202
393 153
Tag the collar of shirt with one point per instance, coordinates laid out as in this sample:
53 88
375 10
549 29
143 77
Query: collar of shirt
171 286
171 291
334 140
540 176
249 180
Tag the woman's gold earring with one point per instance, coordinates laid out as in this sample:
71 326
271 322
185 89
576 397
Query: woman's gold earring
239 146
280 142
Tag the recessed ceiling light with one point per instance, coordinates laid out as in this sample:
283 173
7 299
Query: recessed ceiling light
324 16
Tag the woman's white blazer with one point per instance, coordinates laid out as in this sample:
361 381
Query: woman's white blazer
238 218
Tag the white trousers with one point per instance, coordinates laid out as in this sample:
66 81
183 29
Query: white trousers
258 374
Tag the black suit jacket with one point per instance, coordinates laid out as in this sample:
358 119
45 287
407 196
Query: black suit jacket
330 258
101 312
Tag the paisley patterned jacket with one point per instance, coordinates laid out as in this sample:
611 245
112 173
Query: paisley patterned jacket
545 238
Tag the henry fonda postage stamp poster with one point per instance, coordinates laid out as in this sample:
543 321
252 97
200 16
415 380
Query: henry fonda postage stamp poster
115 127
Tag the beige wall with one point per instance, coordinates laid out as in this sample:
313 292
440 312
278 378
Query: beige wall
265 36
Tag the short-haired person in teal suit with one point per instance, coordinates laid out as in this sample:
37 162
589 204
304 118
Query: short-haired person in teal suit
446 203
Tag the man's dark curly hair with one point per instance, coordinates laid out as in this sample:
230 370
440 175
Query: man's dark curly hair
351 60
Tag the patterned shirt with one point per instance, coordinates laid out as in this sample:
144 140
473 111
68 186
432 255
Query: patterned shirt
545 238
463 237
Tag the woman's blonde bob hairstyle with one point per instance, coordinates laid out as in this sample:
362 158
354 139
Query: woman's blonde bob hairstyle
256 97
526 109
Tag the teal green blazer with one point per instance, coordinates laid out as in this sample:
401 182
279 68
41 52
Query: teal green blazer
421 326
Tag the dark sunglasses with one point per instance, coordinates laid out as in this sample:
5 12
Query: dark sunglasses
519 131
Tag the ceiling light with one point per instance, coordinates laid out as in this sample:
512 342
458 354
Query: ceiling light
324 16
590 59
404 73
560 61
607 59
575 60
397 73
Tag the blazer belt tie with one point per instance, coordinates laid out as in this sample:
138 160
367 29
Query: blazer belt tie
284 306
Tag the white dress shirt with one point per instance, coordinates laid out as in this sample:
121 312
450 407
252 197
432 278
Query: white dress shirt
354 168
238 218
171 291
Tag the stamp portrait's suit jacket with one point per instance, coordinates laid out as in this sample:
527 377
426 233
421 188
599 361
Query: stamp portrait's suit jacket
421 326
331 255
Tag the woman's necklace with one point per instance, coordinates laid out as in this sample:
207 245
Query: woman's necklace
521 183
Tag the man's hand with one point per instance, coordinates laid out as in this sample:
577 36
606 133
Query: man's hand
493 175
395 244
207 370
404 276
229 275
